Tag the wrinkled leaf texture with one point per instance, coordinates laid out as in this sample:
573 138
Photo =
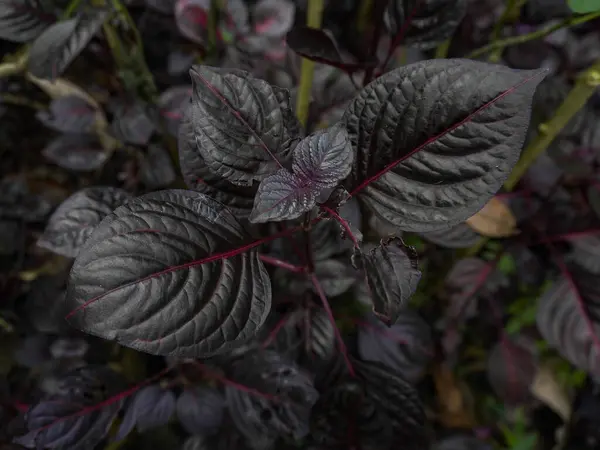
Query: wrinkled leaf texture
242 125
170 273
431 167
407 347
320 162
586 253
567 317
392 276
23 20
54 49
74 221
424 23
197 175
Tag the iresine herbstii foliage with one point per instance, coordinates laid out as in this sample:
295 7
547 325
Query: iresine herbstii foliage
180 273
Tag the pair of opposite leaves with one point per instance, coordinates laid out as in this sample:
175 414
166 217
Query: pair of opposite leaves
176 272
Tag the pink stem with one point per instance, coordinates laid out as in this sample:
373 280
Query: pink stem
282 264
398 38
567 236
275 331
338 336
343 223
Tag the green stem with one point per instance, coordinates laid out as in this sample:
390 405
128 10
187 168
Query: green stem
442 50
512 10
313 20
363 14
538 34
21 101
582 91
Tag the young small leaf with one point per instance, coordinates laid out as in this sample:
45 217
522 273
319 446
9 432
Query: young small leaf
392 277
133 123
273 18
54 49
232 110
424 23
201 410
435 140
23 20
321 161
74 221
70 114
78 152
170 273
320 46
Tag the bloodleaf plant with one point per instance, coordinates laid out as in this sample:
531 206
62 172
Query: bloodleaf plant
269 234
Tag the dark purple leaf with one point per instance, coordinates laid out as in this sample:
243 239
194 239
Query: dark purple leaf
172 104
133 123
423 23
78 418
170 273
407 347
433 166
321 161
320 336
540 11
320 46
78 152
162 6
345 417
23 20
586 253
392 276
593 197
201 410
69 348
232 110
511 368
398 399
567 317
282 410
54 49
273 18
74 221
156 170
151 407
70 114
459 236
198 176
179 62
335 277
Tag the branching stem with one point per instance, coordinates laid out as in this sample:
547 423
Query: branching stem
345 225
